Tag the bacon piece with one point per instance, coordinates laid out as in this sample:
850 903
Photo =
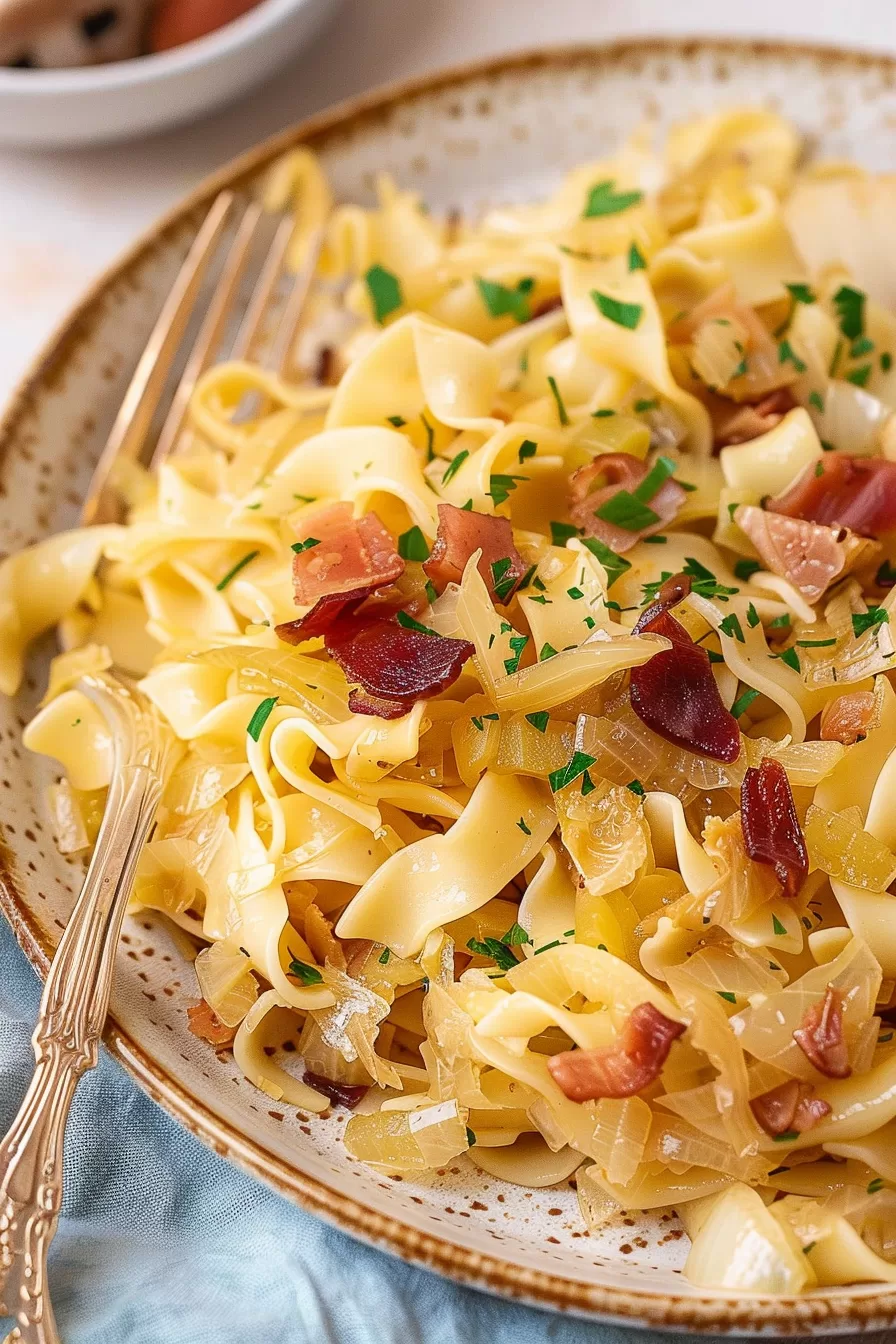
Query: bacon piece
848 718
789 1108
623 1069
461 532
675 693
843 491
671 592
772 831
808 555
393 663
740 424
322 615
820 1036
205 1023
352 553
591 486
341 1094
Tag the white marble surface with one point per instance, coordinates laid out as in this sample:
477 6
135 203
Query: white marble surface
63 217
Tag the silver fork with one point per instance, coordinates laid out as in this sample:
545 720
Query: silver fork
76 995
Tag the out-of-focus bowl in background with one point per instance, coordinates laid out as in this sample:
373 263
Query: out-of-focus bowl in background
93 104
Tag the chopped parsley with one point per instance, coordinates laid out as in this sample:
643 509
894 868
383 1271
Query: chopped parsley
816 400
523 827
260 717
384 289
501 485
471 1138
602 413
875 1185
547 651
238 567
567 774
777 927
636 260
496 950
306 545
504 302
612 563
561 533
604 199
868 620
886 361
575 593
430 438
502 581
780 622
455 465
753 617
787 355
626 315
745 569
555 393
859 377
539 720
731 627
309 975
743 702
650 404
517 643
636 787
588 784
790 657
412 545
397 420
408 623
528 448
815 643
384 957
516 935
727 995
861 347
850 305
626 511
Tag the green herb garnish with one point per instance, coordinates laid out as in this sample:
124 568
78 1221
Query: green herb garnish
412 545
567 774
384 289
261 716
626 315
603 199
238 567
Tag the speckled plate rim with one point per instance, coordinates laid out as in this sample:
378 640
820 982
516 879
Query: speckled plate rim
828 1313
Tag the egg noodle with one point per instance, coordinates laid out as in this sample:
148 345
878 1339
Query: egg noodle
529 651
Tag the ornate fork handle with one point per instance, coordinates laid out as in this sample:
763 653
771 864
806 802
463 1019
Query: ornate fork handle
73 1010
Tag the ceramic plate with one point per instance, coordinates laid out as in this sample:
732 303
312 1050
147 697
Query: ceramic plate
496 133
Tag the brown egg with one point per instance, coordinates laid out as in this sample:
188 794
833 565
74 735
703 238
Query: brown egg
175 22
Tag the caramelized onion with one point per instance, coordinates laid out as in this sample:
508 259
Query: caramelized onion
772 832
623 1069
820 1036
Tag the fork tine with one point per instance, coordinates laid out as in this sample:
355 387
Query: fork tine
292 313
147 385
210 333
250 327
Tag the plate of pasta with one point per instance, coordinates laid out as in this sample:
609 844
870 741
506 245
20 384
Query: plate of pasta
521 894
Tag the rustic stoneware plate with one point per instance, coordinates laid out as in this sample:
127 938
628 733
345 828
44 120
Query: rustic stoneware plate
500 132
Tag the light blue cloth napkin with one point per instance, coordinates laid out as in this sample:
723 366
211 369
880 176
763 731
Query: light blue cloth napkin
162 1242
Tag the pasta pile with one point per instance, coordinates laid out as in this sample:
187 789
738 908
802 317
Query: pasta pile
529 651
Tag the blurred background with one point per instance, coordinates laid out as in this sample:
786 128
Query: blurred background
65 214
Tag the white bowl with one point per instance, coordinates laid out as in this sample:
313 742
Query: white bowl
52 108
